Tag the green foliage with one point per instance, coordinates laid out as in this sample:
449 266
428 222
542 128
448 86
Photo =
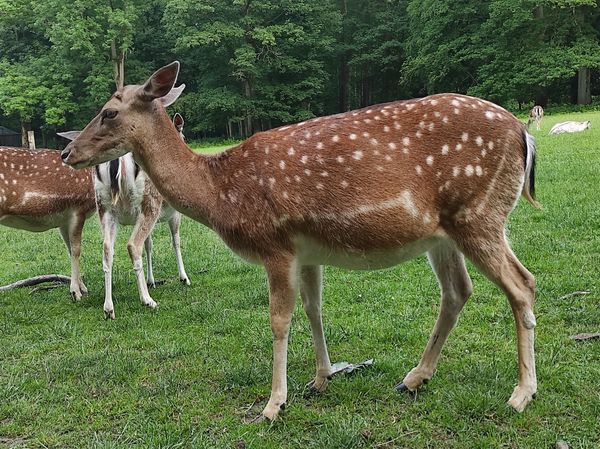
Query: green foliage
250 65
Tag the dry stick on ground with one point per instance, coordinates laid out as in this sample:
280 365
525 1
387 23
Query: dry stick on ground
35 280
570 295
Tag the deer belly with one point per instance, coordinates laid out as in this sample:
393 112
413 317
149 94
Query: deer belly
36 224
312 252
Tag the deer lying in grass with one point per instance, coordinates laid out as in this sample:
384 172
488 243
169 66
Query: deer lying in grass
535 115
38 192
366 189
125 196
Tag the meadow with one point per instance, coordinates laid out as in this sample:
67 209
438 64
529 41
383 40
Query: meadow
193 373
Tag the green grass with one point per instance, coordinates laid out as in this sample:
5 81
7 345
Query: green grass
185 375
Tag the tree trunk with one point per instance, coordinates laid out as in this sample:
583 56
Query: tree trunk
118 61
584 91
344 84
25 127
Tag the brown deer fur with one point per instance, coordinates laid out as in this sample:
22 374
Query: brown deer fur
38 192
365 189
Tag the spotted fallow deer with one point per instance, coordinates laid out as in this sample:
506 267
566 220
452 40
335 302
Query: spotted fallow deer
125 196
535 115
38 192
366 189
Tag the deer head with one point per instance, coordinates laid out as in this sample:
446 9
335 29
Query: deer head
121 122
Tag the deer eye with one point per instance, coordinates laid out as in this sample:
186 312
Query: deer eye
109 114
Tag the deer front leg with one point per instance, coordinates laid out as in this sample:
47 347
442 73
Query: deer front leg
311 288
109 232
150 282
174 224
282 292
141 231
71 234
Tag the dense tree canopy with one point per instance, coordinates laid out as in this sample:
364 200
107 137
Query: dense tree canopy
255 64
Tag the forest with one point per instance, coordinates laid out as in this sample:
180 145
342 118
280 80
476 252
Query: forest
251 65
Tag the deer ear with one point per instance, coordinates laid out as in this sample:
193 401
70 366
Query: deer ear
178 121
69 135
160 83
172 96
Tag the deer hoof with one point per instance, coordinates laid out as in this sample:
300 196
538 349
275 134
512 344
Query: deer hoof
317 385
271 411
75 296
185 281
109 314
151 303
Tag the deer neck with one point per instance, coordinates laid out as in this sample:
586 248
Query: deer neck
182 177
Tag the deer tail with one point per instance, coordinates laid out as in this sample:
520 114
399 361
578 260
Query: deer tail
529 184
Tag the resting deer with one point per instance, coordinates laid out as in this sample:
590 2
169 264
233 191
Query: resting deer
535 115
366 189
38 192
125 196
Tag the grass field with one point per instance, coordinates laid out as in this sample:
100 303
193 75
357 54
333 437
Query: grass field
189 374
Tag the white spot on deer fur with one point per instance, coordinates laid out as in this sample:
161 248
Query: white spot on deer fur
419 170
319 186
455 103
344 184
405 150
489 115
455 171
14 181
302 142
307 171
366 135
392 146
406 141
458 146
285 195
478 170
352 136
357 155
374 141
335 138
388 157
369 111
320 159
418 134
291 151
282 165
397 125
426 218
421 124
469 170
297 178
429 160
304 159
386 129
324 174
410 106
465 137
222 195
379 168
367 121
445 119
491 145
340 159
456 111
307 135
284 128
431 126
483 153
376 152
479 141
271 182
320 146
377 117
445 149
300 124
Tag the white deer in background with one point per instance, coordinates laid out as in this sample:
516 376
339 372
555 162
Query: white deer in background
125 196
569 127
365 189
38 192
535 115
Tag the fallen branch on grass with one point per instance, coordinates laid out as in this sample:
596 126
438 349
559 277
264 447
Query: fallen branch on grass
35 280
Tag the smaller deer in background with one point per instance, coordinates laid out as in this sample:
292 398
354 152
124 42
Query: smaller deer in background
38 192
535 115
126 196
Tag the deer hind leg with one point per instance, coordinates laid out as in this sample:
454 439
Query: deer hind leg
174 224
141 231
494 257
71 234
455 284
311 289
282 275
109 233
150 282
